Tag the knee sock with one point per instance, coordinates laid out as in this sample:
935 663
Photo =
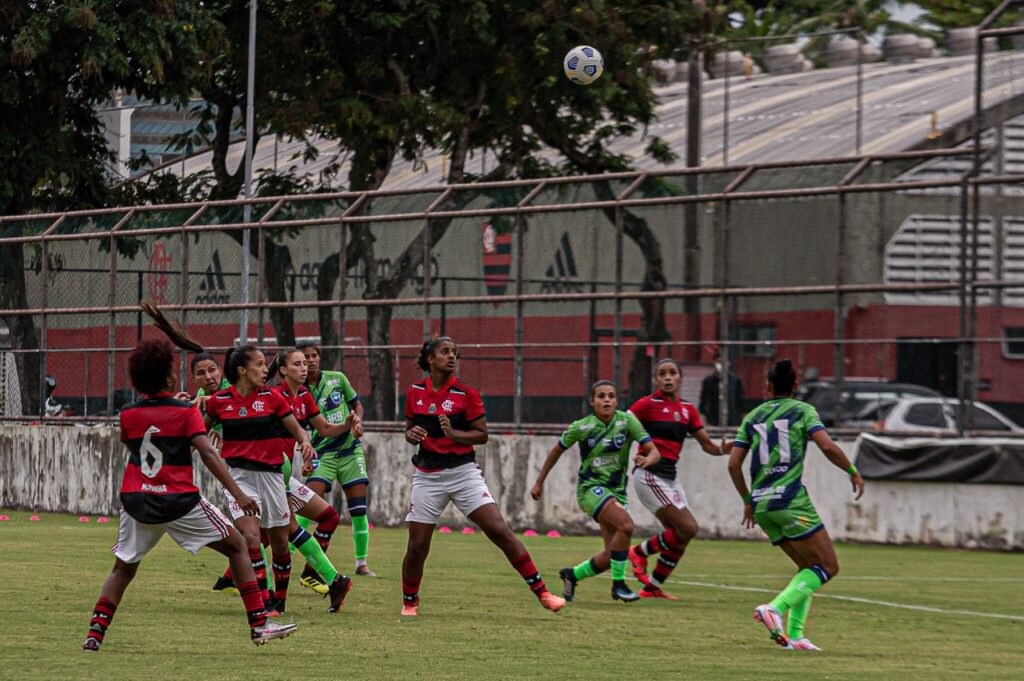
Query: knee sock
102 616
667 539
797 616
252 598
803 584
411 590
360 528
619 565
587 568
667 561
326 524
259 566
528 571
315 557
282 565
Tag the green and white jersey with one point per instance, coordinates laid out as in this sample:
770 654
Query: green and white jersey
335 398
777 432
224 383
604 448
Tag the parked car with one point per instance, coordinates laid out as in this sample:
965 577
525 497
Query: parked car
858 395
930 414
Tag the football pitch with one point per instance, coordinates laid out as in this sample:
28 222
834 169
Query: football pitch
893 612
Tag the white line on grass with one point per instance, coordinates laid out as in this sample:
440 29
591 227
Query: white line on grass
856 599
874 578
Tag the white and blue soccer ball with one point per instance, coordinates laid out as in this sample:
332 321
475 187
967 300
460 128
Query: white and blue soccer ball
583 65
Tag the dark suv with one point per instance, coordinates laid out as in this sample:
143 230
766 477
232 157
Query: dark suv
857 395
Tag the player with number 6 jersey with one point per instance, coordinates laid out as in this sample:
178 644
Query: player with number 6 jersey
776 435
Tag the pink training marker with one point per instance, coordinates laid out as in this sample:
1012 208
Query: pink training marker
4 518
444 529
468 530
83 519
554 534
369 526
530 533
102 519
33 518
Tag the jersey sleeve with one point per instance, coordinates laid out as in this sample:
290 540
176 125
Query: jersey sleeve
347 391
282 408
474 406
639 408
310 403
744 436
811 420
694 421
408 404
571 436
195 426
636 429
212 408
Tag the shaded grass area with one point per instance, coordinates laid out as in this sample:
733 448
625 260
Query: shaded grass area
478 620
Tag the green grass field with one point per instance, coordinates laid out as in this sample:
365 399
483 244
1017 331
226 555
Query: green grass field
478 621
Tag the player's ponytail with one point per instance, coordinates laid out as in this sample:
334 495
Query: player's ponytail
782 376
171 328
235 359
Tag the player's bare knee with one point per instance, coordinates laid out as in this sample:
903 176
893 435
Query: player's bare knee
688 530
125 571
251 539
625 527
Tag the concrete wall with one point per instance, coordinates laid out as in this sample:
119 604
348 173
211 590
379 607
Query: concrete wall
78 470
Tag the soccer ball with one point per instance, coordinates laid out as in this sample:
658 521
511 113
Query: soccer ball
583 65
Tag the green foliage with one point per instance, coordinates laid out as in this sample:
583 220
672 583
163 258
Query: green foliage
947 14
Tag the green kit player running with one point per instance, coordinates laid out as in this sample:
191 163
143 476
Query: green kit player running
604 437
340 459
777 432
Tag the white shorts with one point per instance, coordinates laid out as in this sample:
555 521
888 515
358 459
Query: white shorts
299 495
656 493
431 492
203 525
267 488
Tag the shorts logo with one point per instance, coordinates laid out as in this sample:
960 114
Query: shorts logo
432 409
302 489
242 412
598 491
447 405
258 405
676 498
316 463
486 495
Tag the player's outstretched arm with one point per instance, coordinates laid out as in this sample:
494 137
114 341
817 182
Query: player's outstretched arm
709 447
549 463
211 459
837 456
328 429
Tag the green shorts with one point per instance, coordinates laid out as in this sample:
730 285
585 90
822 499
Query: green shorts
799 520
593 498
346 470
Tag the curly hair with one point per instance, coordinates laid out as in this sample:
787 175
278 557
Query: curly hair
149 365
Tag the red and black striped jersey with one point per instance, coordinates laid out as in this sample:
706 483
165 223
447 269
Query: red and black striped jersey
254 437
668 421
303 403
461 403
158 485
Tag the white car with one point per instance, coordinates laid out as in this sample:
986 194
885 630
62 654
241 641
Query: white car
935 415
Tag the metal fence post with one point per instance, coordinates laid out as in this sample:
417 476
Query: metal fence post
617 350
342 286
859 116
517 396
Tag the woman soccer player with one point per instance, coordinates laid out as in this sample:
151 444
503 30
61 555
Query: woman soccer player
605 437
159 496
444 418
258 431
777 432
668 420
340 458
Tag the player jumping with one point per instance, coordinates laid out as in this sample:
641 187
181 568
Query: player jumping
777 432
605 437
159 497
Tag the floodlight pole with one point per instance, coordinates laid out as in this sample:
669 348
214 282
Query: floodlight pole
250 115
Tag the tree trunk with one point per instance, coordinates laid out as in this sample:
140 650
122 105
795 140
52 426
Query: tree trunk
24 336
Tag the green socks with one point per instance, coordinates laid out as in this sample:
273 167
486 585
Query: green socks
803 584
361 535
619 565
797 616
585 569
314 555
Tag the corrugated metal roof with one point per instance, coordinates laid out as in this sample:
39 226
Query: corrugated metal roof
771 118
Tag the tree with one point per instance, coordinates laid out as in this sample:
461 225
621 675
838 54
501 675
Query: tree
947 14
60 61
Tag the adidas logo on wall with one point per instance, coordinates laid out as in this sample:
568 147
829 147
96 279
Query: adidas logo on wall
562 271
211 286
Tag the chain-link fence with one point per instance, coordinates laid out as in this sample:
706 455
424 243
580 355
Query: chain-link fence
867 271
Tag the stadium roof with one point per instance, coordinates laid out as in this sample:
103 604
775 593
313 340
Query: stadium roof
800 116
